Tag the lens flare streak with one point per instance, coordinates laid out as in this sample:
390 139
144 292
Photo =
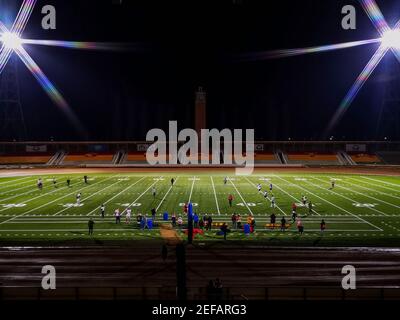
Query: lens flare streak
377 19
18 27
356 87
23 16
375 15
278 54
47 86
77 44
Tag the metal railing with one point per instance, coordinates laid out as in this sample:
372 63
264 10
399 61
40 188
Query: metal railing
199 293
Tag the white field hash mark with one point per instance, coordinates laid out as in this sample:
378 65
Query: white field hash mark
215 195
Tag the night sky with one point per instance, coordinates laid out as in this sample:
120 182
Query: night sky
172 47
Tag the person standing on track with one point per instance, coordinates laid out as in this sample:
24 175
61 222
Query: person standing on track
209 222
300 226
283 224
323 226
117 215
102 210
91 226
272 220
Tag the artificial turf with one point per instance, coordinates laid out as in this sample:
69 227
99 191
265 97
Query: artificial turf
360 210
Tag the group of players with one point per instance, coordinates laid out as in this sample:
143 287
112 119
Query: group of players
268 195
40 183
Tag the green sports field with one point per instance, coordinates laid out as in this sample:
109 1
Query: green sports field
360 210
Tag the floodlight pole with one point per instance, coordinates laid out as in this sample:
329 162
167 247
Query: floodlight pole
12 122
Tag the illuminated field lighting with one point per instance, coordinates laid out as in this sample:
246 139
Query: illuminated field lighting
11 40
391 39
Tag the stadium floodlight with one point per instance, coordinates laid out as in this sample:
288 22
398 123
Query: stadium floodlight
391 39
11 40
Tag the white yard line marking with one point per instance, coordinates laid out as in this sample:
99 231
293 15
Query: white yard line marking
32 186
379 186
27 184
327 201
298 200
141 195
191 190
12 181
352 200
381 181
130 186
215 195
58 199
369 189
29 200
245 203
166 194
88 197
253 184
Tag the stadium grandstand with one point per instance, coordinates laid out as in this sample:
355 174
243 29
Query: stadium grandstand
131 154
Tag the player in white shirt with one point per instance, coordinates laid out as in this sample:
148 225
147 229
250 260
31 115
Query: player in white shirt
117 215
78 198
128 216
102 210
304 200
273 201
265 194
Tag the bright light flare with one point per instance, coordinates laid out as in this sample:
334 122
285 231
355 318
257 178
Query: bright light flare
391 39
11 40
